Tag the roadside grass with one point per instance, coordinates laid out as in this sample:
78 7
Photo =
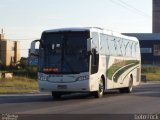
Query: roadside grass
18 85
153 76
16 91
152 73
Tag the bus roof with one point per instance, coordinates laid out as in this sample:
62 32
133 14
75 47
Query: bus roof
94 29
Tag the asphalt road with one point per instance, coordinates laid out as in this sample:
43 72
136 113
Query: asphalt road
145 99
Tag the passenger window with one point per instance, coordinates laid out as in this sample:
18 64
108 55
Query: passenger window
104 45
95 41
94 61
128 49
118 46
112 47
95 52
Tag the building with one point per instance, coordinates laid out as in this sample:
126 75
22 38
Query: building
150 42
150 47
9 51
156 16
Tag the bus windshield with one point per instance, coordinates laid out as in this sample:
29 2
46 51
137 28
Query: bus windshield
64 53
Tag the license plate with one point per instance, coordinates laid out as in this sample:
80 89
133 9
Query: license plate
62 86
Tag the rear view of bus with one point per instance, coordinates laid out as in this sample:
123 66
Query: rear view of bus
70 60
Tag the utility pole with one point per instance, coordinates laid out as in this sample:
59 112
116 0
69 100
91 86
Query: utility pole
156 16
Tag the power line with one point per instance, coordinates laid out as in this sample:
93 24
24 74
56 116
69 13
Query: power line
117 3
134 8
130 8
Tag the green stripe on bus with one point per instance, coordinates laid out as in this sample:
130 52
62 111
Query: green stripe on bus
117 66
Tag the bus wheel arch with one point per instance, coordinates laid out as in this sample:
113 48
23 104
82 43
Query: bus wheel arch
101 85
130 85
128 89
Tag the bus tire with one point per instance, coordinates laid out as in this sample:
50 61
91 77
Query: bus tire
56 95
100 92
128 89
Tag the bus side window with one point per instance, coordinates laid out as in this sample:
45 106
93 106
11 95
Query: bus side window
112 47
95 52
137 50
94 61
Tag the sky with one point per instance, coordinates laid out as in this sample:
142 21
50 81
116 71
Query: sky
25 20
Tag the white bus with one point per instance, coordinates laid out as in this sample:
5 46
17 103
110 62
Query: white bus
87 60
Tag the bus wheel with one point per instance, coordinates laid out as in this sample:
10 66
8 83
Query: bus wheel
128 89
56 95
99 93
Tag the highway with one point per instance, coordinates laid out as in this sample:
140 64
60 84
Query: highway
144 99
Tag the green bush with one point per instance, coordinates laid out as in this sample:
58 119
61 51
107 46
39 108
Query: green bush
30 72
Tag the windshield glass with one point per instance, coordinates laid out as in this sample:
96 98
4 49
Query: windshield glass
64 52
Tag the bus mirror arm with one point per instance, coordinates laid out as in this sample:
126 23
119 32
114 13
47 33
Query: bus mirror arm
90 53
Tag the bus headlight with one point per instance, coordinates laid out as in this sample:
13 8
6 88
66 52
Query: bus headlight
83 78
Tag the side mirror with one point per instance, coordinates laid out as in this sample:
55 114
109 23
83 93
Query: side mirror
33 50
33 53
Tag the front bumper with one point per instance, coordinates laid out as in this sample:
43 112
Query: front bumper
77 86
